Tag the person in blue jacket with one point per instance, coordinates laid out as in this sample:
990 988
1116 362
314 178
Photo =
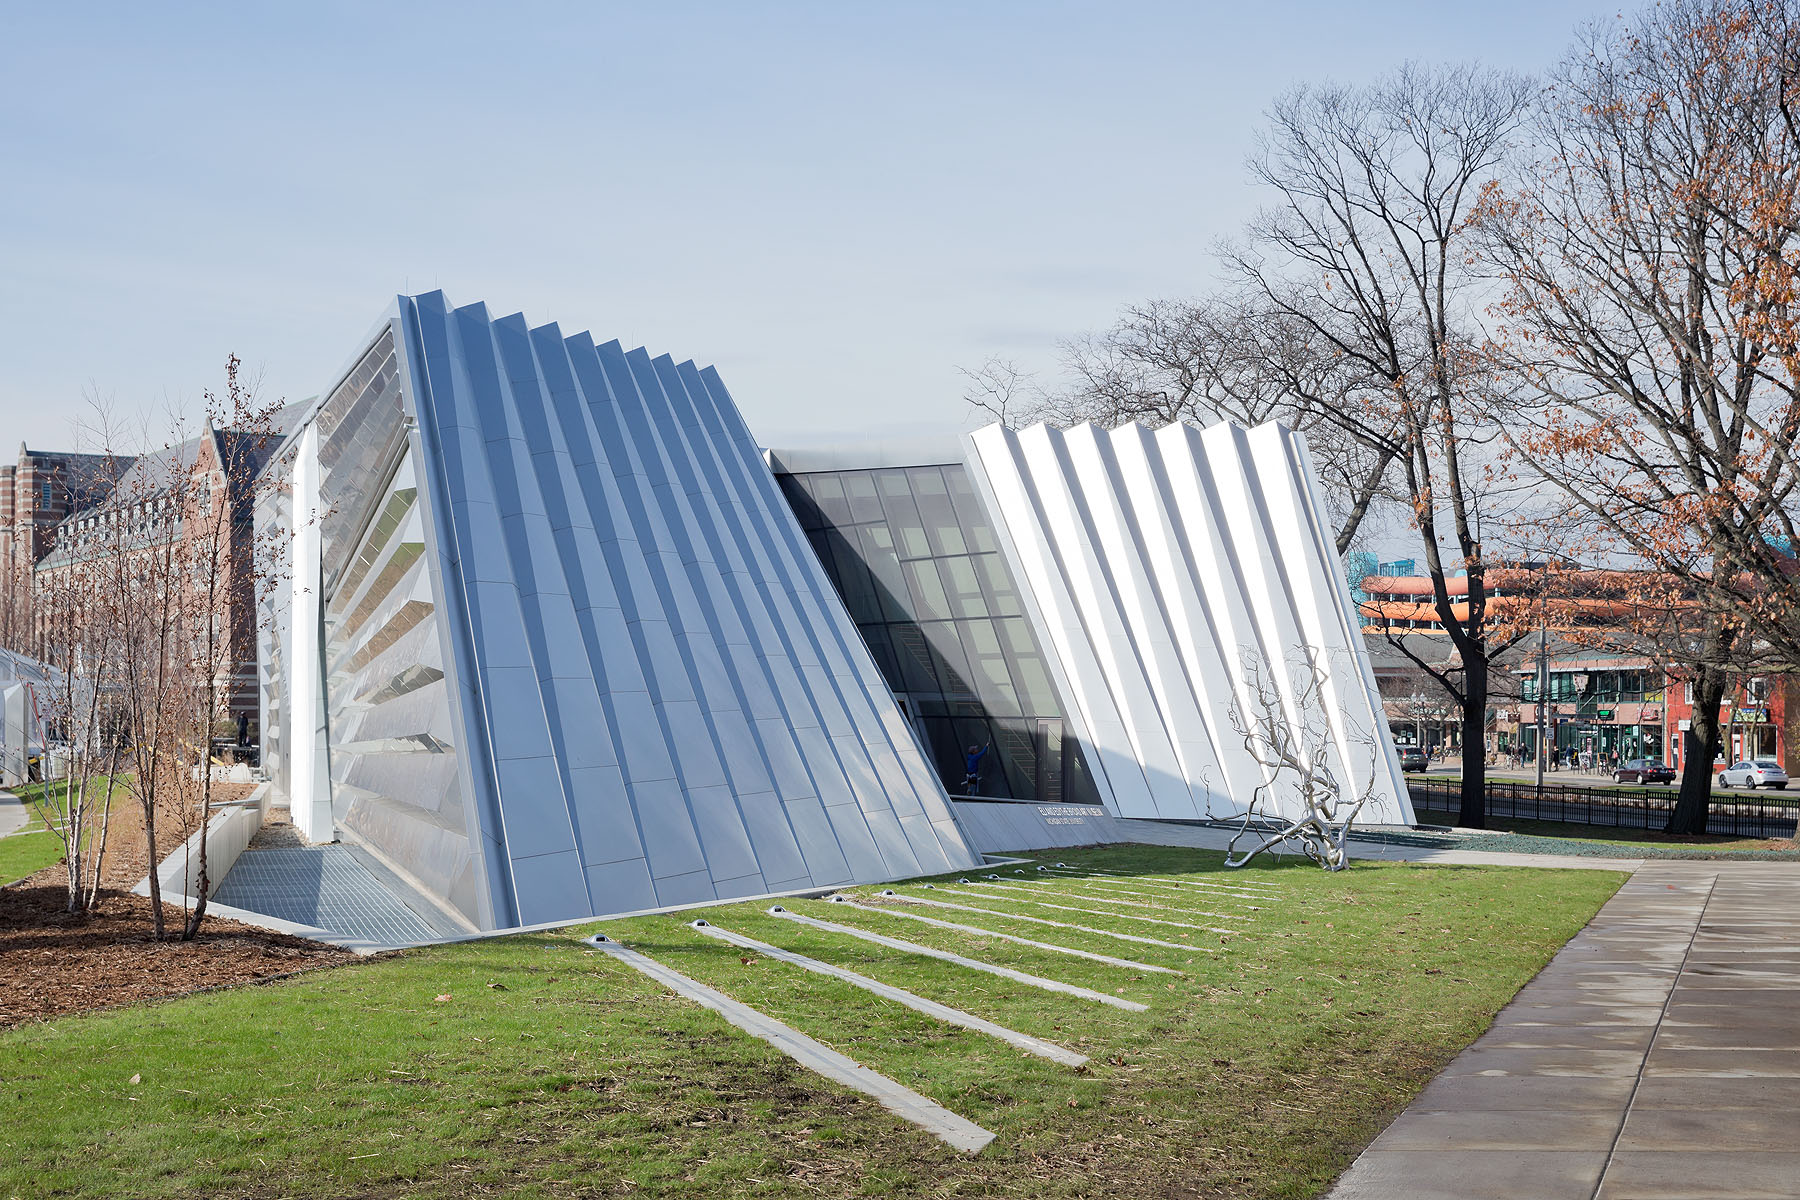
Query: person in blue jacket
972 770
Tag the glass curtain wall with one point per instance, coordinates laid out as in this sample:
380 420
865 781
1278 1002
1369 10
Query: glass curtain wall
913 555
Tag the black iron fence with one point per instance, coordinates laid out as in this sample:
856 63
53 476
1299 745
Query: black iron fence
1764 816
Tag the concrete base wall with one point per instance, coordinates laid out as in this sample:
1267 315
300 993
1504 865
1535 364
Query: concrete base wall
997 825
228 835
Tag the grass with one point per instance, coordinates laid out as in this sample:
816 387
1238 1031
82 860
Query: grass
552 1070
36 846
27 852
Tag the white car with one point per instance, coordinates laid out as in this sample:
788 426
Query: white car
1761 772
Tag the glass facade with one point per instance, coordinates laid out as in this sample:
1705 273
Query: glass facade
1589 722
913 554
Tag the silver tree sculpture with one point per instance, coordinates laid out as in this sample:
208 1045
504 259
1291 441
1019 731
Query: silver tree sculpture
1293 745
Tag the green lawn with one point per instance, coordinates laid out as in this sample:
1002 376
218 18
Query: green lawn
28 852
1260 1071
36 847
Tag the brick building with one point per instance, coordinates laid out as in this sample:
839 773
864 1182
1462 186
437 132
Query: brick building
60 510
1634 707
37 494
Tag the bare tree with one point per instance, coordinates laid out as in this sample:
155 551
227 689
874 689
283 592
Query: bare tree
82 655
1228 356
1649 261
223 571
1002 390
81 635
1367 250
153 592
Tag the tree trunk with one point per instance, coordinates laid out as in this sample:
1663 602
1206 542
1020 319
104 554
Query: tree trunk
156 911
1699 746
1474 742
202 883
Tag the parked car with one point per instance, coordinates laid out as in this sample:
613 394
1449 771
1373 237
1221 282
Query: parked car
1754 773
1414 758
1644 770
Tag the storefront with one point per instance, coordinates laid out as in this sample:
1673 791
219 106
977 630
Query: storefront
1598 714
1752 719
1752 734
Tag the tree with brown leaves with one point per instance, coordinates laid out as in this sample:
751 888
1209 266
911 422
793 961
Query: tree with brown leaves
1646 256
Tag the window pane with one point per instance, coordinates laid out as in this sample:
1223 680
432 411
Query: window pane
884 567
805 511
945 748
1016 742
992 679
852 579
828 493
915 658
997 584
930 603
876 636
933 499
1030 676
864 500
902 514
976 530
963 587
953 671
1078 779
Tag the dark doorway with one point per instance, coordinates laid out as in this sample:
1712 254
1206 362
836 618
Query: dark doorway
1050 766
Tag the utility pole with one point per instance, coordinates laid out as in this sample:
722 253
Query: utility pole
1543 698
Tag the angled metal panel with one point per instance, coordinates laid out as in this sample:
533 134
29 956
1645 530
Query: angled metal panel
581 658
1169 571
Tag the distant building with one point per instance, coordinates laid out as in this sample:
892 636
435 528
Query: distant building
56 510
1396 601
1608 708
37 494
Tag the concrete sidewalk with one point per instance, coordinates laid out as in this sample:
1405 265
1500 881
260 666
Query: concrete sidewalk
1213 837
1657 1056
14 814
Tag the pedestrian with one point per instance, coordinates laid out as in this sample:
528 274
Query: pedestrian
972 770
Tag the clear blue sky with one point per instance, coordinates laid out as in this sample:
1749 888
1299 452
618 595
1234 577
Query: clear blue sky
838 203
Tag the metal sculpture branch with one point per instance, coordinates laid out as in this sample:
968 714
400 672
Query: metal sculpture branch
1290 738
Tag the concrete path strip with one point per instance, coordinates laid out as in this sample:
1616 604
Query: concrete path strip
1175 897
1009 916
1162 900
931 1008
1152 887
1018 895
1108 959
973 964
1242 891
1235 881
903 1102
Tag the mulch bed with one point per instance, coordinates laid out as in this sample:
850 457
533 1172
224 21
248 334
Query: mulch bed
53 964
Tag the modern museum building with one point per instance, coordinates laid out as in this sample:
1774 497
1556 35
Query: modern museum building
557 637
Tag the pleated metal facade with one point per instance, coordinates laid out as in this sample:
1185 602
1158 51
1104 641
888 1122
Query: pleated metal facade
575 654
1170 573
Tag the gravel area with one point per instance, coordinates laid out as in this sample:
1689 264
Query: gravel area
1521 843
